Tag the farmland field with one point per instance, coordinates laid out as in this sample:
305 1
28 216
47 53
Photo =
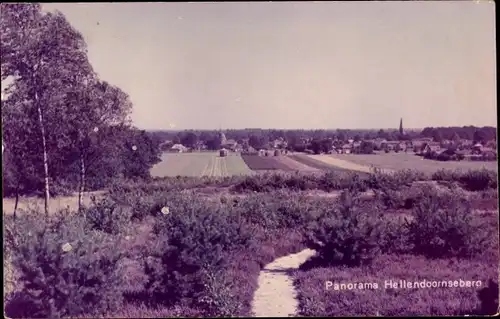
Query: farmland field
200 164
296 165
264 163
399 161
314 161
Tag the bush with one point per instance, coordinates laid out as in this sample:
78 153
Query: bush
194 240
218 300
347 235
446 175
489 156
66 269
366 148
396 239
489 299
107 216
478 180
393 181
443 157
443 226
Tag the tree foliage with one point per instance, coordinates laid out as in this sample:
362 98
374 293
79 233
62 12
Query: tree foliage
62 125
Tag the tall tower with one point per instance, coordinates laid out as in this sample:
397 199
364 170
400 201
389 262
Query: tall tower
222 138
401 132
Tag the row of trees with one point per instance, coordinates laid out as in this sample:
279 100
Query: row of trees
320 139
63 127
476 134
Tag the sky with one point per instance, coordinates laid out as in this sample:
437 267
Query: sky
287 65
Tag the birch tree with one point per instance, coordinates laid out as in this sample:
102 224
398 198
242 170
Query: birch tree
45 56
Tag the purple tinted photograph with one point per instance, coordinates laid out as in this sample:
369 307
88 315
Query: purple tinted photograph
249 159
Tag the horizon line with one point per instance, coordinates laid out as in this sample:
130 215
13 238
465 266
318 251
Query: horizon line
307 129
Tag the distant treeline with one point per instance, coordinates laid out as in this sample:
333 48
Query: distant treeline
259 137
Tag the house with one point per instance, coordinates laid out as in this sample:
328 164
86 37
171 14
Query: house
230 144
238 148
333 150
249 149
477 148
431 147
393 146
279 143
491 144
178 148
378 142
447 143
346 149
356 146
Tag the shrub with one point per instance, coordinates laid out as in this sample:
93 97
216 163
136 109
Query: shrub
489 156
395 239
391 198
443 227
107 216
66 269
193 240
393 181
489 299
347 235
446 175
444 157
478 180
218 299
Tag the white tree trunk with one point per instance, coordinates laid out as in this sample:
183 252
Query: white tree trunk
82 183
45 157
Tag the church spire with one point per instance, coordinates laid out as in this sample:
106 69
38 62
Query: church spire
401 126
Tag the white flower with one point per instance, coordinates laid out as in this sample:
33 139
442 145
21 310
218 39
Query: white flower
127 237
66 247
96 129
165 210
134 148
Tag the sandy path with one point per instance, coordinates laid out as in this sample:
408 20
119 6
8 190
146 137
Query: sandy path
345 164
276 296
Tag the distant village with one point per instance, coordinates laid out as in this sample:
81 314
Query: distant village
455 148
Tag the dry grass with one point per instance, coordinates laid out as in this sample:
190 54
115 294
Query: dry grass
55 204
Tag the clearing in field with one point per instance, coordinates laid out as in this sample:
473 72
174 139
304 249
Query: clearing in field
400 161
200 164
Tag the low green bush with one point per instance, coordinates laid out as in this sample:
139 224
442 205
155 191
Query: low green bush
107 216
478 180
66 269
443 226
346 235
194 240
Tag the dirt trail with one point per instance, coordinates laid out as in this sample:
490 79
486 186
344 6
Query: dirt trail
276 296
